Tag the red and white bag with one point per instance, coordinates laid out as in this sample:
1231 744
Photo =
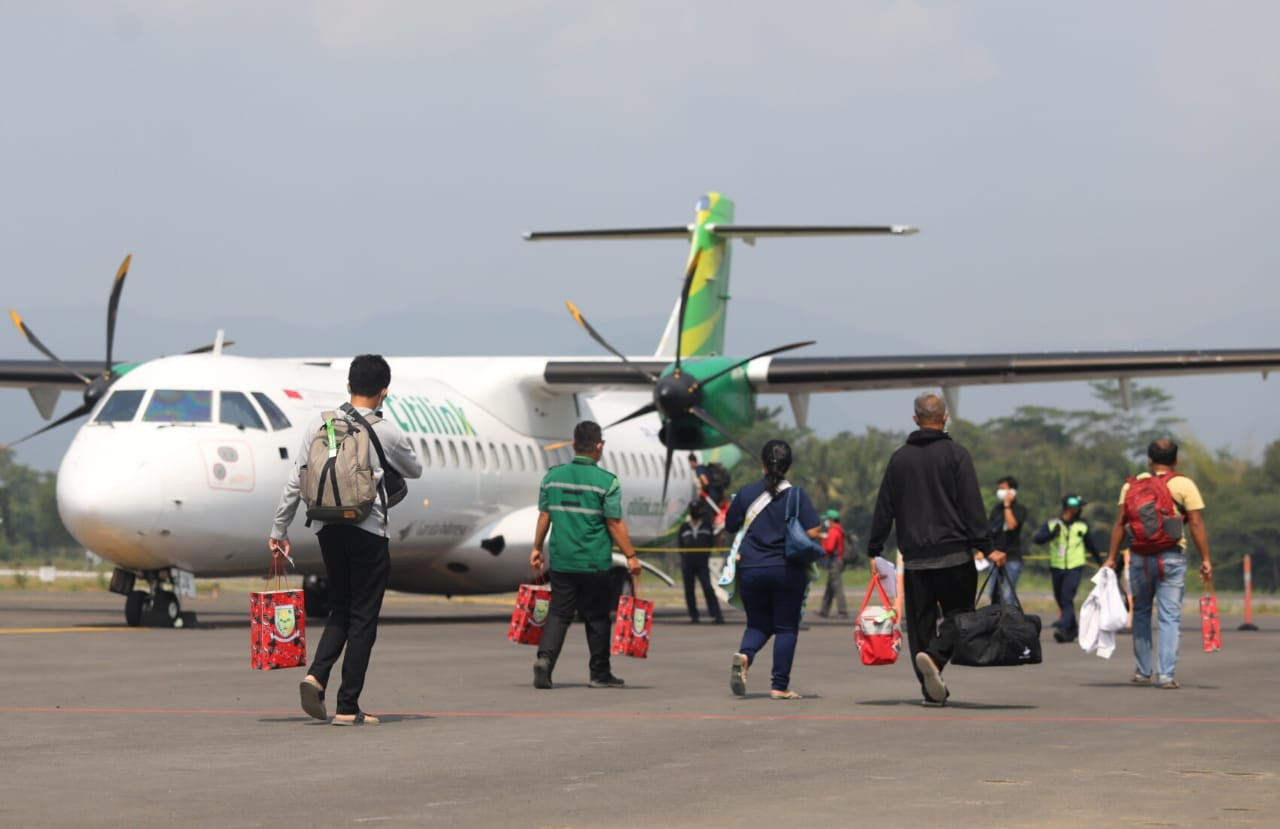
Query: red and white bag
877 635
277 624
533 604
1210 626
632 625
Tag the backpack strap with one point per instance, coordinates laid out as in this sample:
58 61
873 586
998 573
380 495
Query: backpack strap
351 412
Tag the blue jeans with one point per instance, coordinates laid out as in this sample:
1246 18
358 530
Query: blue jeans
772 597
1158 580
1012 569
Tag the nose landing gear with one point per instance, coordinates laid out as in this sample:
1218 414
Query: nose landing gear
157 607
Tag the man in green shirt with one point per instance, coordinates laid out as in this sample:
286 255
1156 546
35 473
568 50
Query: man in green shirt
581 505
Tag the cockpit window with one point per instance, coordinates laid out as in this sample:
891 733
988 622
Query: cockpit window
120 407
274 416
174 406
238 411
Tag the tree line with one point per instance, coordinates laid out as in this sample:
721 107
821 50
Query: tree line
1054 452
29 522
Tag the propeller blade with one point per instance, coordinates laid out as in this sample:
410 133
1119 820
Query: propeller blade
684 305
705 416
666 477
113 305
595 335
742 363
79 411
648 408
35 341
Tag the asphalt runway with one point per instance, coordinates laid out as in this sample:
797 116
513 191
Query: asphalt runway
103 725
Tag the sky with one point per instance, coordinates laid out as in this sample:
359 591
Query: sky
332 177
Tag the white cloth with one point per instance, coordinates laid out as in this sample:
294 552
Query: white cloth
1103 613
729 574
888 576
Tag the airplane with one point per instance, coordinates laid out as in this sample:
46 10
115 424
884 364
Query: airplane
178 468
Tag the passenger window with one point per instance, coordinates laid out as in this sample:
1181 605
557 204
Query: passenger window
493 457
533 458
274 416
179 406
120 407
236 410
439 453
480 455
506 458
453 454
466 456
424 449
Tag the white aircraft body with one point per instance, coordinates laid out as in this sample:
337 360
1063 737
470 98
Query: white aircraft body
181 462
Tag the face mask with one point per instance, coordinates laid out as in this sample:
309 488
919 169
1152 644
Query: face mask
1002 493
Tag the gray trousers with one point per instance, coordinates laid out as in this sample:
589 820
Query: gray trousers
835 587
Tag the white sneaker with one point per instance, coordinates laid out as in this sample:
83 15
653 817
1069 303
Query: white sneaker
934 688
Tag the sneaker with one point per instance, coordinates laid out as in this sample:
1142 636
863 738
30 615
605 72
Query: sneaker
738 675
1139 679
844 614
542 673
1170 684
1059 637
607 681
928 703
934 688
719 620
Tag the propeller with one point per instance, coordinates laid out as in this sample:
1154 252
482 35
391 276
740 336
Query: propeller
678 395
94 387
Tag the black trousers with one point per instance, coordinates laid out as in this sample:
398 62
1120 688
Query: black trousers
931 594
358 567
589 594
693 566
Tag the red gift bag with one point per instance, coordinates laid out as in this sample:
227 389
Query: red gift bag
277 625
878 638
533 603
631 627
1210 627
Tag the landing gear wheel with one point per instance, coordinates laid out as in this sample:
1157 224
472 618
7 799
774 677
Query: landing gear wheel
135 601
165 609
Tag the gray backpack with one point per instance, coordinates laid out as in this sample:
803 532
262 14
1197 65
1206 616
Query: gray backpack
337 482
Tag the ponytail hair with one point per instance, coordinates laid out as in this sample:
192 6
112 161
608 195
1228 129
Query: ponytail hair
776 457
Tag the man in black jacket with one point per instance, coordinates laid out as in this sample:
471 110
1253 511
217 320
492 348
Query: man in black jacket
931 491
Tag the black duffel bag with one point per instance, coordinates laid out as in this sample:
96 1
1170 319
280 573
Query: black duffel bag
998 634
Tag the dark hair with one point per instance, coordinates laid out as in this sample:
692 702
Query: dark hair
586 435
1010 480
693 458
368 375
776 457
1163 451
697 508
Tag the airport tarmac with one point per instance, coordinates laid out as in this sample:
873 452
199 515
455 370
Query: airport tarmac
104 725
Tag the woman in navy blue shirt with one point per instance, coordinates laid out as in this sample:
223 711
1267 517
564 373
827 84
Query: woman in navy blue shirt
772 587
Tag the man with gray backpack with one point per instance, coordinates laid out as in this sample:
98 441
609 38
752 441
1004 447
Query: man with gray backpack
349 471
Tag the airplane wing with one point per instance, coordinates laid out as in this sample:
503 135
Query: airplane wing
797 375
44 374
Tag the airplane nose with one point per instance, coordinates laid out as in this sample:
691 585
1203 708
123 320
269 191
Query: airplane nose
110 494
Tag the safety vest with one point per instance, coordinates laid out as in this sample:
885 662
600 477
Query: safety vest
1066 550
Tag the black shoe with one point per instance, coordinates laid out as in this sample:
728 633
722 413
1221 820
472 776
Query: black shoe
694 620
719 620
608 681
542 673
824 614
844 614
1059 637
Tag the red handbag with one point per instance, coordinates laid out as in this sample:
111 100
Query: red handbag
277 624
632 625
533 603
1210 627
877 635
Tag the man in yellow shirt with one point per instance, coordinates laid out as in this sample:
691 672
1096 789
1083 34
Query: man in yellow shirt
1158 564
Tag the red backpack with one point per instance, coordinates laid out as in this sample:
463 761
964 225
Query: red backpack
1152 521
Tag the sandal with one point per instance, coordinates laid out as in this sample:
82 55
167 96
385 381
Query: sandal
312 694
775 694
738 675
355 719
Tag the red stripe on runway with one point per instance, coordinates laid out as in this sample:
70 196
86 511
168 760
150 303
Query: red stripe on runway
941 716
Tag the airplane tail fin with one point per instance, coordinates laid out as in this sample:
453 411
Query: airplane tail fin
703 326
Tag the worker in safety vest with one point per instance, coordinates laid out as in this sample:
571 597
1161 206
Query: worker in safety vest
1069 540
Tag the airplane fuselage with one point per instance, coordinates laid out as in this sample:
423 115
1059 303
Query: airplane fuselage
185 468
